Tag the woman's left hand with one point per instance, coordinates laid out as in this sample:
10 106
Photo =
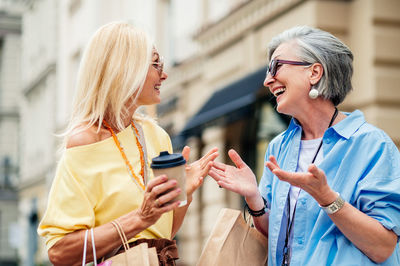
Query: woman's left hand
198 170
313 182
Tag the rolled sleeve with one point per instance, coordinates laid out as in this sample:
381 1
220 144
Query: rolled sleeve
378 194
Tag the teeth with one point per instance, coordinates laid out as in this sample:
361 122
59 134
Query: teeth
279 91
157 87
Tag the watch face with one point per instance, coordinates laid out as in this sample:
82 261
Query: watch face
335 206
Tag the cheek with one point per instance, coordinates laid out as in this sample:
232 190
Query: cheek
298 84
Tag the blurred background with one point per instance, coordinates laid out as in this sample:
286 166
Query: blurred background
215 52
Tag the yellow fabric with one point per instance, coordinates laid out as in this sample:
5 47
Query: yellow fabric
92 185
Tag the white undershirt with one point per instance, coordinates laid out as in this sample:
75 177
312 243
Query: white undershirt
308 148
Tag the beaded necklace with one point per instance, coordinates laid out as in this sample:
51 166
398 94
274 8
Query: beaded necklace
127 163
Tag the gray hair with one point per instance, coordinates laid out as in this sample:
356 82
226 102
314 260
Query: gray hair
318 46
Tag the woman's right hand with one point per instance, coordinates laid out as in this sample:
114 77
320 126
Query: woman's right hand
239 179
158 199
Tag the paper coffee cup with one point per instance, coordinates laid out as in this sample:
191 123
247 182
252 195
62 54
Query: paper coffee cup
172 165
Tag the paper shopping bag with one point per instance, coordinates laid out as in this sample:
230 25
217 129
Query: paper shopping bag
137 255
233 242
153 257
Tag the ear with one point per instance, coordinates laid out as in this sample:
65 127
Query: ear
316 71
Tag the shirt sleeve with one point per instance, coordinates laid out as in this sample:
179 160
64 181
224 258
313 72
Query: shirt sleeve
265 185
169 143
69 207
378 191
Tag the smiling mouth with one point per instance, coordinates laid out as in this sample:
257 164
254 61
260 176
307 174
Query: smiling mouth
157 87
279 91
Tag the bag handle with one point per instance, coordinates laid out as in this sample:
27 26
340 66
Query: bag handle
85 247
121 233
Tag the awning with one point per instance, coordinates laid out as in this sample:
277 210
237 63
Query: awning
231 102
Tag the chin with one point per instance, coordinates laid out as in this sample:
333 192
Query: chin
279 108
282 110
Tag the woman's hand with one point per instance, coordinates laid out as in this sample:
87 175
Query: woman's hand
313 182
378 244
198 170
195 173
158 199
239 179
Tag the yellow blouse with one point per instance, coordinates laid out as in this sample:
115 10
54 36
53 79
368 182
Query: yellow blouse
92 185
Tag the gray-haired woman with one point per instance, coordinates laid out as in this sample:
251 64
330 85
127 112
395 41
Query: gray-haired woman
330 192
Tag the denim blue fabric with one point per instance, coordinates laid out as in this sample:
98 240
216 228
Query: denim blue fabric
361 163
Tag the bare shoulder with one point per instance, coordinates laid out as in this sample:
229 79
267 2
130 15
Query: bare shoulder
84 136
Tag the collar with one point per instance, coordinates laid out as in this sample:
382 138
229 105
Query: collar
348 126
345 128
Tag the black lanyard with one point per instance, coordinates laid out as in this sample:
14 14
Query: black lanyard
286 257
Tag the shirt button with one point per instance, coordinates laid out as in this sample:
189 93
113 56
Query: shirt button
300 241
328 141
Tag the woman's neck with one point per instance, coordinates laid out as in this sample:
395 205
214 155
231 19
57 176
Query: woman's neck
126 121
315 120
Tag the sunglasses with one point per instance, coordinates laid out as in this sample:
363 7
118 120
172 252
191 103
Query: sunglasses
274 64
159 65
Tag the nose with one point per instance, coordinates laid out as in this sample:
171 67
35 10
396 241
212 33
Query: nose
269 79
164 76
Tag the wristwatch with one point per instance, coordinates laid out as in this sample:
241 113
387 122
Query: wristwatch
334 206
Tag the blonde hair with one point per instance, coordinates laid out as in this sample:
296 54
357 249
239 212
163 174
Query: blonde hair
113 69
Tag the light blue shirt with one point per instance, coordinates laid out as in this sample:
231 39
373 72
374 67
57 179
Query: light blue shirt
361 163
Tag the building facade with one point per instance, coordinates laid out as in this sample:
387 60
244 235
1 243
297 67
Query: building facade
38 106
10 74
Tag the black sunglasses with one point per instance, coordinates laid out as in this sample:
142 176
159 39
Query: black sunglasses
273 65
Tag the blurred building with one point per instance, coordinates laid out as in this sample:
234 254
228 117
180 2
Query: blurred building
38 108
215 55
10 75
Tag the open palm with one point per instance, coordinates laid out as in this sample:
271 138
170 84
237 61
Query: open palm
239 179
198 170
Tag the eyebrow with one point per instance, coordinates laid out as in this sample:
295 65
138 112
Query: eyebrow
278 55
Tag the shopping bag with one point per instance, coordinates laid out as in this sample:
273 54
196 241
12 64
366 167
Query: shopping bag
153 257
234 242
138 255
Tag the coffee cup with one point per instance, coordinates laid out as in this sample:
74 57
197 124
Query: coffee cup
172 165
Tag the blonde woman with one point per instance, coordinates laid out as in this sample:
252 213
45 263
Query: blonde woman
103 175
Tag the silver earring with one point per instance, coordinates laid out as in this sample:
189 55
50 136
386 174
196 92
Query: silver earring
313 94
